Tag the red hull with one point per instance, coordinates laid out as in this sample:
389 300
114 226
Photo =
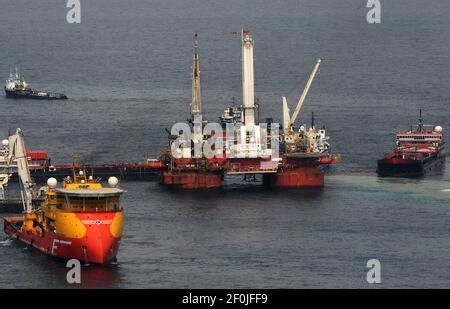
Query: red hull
396 160
399 167
302 176
97 245
155 164
191 179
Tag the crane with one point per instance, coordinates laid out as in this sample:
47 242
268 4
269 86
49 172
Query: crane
17 152
288 121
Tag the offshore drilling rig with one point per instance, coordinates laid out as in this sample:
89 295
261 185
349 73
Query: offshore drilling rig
201 153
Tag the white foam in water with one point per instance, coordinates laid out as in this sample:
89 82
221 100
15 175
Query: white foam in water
6 242
445 190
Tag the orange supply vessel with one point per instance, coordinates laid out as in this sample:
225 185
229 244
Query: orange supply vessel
79 220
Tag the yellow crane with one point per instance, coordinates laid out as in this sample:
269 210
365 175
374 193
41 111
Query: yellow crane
288 121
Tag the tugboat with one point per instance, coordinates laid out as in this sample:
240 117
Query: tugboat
16 87
79 220
418 151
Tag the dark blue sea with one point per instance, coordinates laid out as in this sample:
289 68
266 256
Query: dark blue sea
126 70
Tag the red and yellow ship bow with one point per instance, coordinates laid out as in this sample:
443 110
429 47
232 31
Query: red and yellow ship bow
81 220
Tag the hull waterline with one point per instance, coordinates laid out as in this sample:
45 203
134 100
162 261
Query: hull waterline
87 237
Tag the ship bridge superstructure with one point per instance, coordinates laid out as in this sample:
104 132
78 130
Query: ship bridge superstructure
421 136
15 81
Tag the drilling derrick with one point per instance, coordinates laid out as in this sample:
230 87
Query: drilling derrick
192 170
196 103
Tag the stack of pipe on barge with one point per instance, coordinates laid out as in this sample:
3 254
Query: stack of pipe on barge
128 171
124 170
41 167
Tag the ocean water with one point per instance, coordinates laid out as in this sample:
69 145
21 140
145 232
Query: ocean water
126 69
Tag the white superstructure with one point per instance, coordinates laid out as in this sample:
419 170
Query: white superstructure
250 139
15 82
17 152
306 140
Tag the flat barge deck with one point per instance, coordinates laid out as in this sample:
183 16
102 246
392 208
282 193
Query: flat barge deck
128 171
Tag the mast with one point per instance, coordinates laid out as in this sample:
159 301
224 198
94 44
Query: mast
17 151
196 105
248 95
420 120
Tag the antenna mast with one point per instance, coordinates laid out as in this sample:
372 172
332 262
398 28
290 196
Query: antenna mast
420 120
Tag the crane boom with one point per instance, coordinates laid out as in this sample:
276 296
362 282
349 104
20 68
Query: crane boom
305 92
17 152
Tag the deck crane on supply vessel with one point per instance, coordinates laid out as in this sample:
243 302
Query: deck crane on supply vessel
17 152
13 155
